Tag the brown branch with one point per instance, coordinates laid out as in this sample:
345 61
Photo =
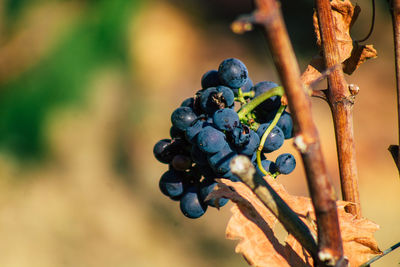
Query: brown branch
341 102
244 169
330 249
396 37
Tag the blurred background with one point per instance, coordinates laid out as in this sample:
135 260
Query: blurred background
87 88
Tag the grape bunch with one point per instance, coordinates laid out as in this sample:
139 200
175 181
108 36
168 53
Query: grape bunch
207 133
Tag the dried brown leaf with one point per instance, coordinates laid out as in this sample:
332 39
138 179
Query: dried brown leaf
351 54
252 223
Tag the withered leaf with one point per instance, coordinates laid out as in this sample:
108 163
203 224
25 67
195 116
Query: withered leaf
252 224
352 55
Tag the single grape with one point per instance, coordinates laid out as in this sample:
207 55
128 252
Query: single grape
240 136
274 140
285 163
183 117
210 79
286 124
206 187
226 119
171 183
206 100
191 205
219 162
268 165
210 140
227 97
214 98
233 73
159 151
181 162
188 102
174 132
251 146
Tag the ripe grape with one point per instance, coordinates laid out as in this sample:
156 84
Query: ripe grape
207 133
233 73
226 119
274 140
183 117
210 140
210 79
159 151
191 205
206 187
171 183
251 146
285 163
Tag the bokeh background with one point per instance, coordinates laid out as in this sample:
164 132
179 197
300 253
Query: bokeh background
87 88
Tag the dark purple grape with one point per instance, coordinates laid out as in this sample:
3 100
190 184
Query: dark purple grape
233 73
215 98
274 140
240 136
159 151
192 131
227 97
191 205
285 163
181 162
268 165
206 187
188 102
226 119
176 133
286 124
207 100
171 183
210 140
220 161
251 146
210 79
183 117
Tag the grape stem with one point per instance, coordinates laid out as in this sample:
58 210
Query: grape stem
264 138
250 106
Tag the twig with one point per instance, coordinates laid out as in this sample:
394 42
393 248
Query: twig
341 102
244 169
368 263
395 8
330 249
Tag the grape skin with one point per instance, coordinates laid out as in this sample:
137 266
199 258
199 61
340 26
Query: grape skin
233 73
206 134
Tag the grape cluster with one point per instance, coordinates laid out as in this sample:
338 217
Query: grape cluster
207 133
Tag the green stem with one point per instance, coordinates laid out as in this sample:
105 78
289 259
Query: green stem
264 138
249 94
247 108
240 97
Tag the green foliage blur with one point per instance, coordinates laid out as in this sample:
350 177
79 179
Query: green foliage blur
60 77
